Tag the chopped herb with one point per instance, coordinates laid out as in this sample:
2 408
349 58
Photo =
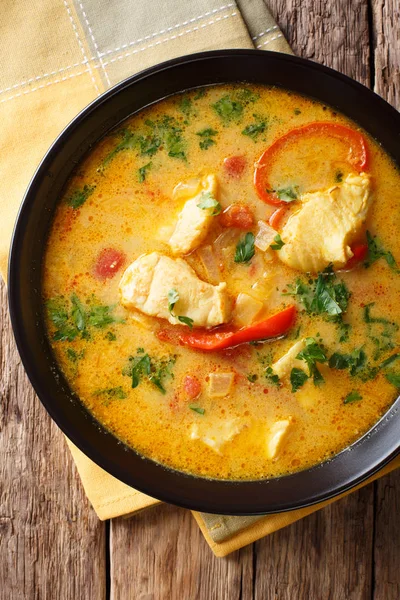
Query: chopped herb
141 366
297 111
110 394
228 109
322 296
142 172
376 251
295 334
287 194
173 298
388 361
344 330
382 340
140 350
128 142
161 370
368 318
79 197
163 133
298 377
255 129
355 362
207 137
245 249
246 96
208 201
252 377
186 320
110 336
338 176
272 377
353 396
185 106
279 243
312 354
200 93
197 409
394 379
74 356
77 321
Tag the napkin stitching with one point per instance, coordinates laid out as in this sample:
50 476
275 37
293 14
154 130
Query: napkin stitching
39 87
94 43
269 41
80 44
100 54
152 35
173 37
264 32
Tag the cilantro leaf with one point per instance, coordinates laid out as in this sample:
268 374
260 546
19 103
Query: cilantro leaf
312 354
186 320
197 409
142 172
79 197
208 201
287 194
298 377
272 377
376 251
353 396
394 379
111 394
173 298
207 137
255 129
128 142
279 243
228 109
245 249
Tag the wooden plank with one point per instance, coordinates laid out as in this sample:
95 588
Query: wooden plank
51 542
333 33
162 554
326 555
386 38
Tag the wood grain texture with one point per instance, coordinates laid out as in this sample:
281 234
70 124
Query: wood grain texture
386 48
51 542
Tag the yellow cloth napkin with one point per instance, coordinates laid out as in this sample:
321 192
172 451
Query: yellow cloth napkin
57 56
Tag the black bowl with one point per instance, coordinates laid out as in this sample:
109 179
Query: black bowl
345 470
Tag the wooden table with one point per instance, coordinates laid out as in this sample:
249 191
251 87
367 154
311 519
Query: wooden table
52 544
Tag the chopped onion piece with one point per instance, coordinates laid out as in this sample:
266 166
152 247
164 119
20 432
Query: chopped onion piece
185 189
210 264
265 236
220 384
246 309
226 239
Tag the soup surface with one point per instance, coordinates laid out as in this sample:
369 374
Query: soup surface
221 284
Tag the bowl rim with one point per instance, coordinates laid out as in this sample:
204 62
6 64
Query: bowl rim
211 503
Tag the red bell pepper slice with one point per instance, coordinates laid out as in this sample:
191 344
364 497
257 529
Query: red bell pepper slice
277 216
357 156
359 253
272 327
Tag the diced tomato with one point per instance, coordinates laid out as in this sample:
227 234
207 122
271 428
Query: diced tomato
357 153
192 386
108 263
359 253
234 166
277 216
237 215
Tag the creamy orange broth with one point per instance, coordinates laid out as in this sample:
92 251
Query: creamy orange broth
127 214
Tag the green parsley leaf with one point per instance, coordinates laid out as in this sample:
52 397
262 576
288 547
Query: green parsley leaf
245 249
110 336
298 377
207 137
252 377
186 105
197 409
200 94
78 313
272 377
110 394
338 176
186 320
312 354
287 194
388 361
228 109
297 111
353 396
376 251
208 201
79 197
394 379
142 172
279 243
173 298
128 142
255 129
